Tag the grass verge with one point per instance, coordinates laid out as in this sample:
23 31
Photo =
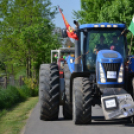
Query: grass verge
13 120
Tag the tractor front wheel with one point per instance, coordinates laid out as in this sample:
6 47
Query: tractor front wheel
132 94
82 100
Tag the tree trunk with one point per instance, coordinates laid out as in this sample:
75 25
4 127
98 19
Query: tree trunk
30 73
27 67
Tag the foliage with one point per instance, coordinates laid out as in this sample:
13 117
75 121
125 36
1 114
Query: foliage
90 10
30 82
13 95
26 35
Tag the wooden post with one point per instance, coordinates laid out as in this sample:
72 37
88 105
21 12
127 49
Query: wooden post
5 83
21 82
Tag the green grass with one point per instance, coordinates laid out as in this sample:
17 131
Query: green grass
12 121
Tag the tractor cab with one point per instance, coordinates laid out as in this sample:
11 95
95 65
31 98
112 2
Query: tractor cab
60 56
97 37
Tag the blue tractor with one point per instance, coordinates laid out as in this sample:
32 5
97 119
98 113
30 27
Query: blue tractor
101 73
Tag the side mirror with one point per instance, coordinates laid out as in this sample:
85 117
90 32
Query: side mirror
64 33
76 24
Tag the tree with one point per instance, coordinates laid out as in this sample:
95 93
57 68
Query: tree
90 10
26 34
118 12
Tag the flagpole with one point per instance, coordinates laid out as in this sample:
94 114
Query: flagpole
69 29
131 45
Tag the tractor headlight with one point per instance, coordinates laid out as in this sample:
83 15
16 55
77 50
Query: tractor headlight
103 80
102 75
120 79
120 75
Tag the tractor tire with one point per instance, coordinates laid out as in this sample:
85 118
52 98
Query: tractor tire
67 106
49 91
132 94
82 100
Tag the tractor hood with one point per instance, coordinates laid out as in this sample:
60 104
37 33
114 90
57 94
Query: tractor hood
110 61
109 56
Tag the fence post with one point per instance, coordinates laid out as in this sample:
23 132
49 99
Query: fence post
5 82
21 82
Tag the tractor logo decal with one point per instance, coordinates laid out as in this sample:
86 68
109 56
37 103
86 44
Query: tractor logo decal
111 60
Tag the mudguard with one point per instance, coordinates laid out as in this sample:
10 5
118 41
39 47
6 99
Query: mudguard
116 104
131 64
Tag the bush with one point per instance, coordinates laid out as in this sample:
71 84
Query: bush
13 95
8 97
34 92
30 82
25 91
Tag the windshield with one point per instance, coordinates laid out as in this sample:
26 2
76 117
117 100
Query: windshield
101 39
65 54
55 56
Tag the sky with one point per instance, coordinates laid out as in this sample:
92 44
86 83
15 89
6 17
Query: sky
68 6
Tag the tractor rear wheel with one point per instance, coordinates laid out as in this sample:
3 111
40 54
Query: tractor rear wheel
67 106
49 91
82 100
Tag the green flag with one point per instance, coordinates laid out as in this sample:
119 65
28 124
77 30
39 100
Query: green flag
131 27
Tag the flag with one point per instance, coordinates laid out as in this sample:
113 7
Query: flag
70 30
131 27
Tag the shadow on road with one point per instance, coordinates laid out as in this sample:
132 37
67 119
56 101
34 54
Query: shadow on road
100 120
62 119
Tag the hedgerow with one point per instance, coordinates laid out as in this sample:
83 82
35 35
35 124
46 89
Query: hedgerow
13 95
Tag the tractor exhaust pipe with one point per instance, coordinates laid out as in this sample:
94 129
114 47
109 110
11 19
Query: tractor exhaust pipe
77 49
